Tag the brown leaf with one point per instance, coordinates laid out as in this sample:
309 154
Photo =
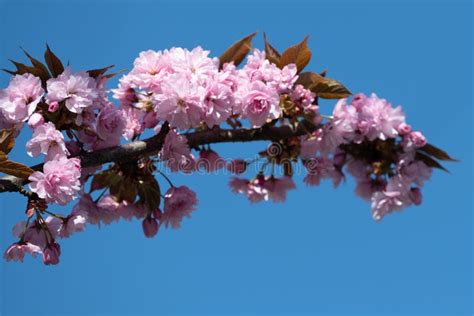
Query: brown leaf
237 51
7 140
43 71
436 152
94 73
430 162
149 193
15 169
270 52
54 64
298 54
324 87
24 69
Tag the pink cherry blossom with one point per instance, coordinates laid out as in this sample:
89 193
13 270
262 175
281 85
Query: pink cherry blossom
109 127
218 103
179 202
195 63
393 198
47 140
261 103
210 161
19 100
320 168
59 182
277 188
150 69
176 152
133 122
302 97
17 251
380 119
74 223
180 102
78 90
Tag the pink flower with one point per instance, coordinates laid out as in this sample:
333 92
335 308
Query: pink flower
17 251
59 182
180 102
218 103
194 63
133 122
302 97
19 100
88 208
176 152
278 188
150 227
319 168
74 223
253 189
78 90
109 127
237 166
150 68
179 202
210 161
51 254
109 209
47 140
380 119
394 197
261 103
413 140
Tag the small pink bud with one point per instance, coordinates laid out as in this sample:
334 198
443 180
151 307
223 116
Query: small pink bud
35 120
53 106
339 159
416 196
51 253
418 139
404 129
150 227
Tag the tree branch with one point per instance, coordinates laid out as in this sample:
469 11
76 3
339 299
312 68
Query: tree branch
154 144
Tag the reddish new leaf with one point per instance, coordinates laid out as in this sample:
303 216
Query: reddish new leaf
41 68
237 51
94 73
436 152
270 52
54 64
7 140
15 168
324 87
298 54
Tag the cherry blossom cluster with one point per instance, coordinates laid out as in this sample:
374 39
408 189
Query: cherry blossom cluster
351 138
180 91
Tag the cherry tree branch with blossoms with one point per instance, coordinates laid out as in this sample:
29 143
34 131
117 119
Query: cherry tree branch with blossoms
190 101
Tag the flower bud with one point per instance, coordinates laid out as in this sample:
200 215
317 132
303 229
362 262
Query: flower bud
53 106
150 227
51 253
416 196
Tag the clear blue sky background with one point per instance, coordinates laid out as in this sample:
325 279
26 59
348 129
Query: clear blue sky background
320 253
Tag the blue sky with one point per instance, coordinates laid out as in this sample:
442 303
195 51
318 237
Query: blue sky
320 253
